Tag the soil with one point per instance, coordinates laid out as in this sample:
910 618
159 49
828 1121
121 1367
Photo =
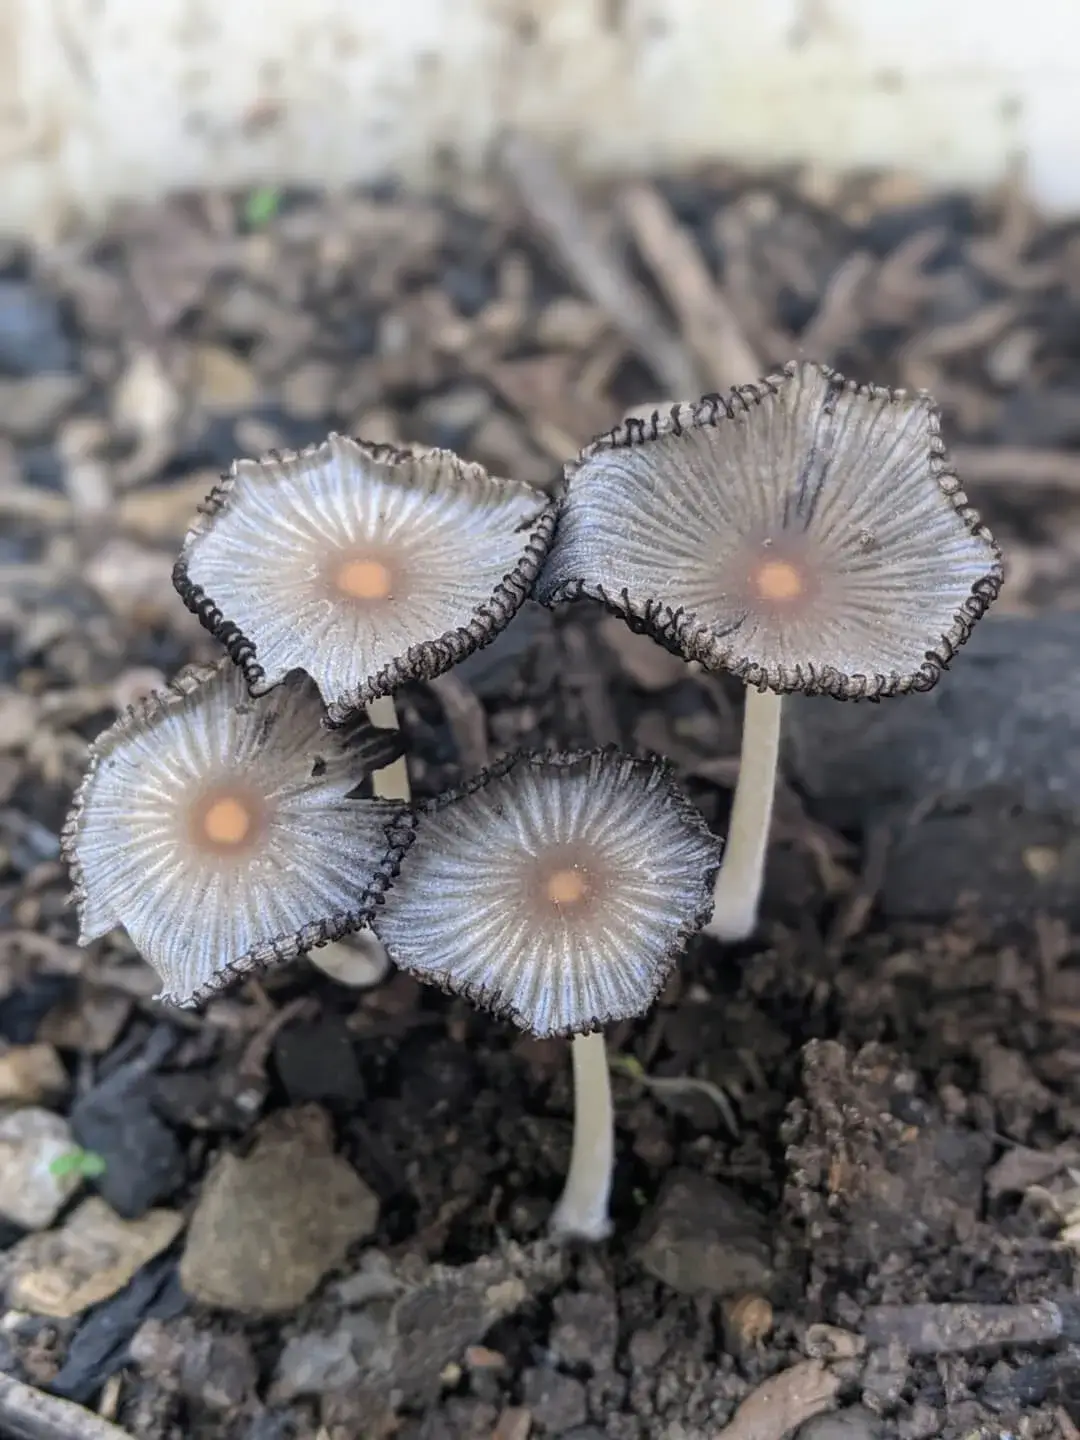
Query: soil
848 1116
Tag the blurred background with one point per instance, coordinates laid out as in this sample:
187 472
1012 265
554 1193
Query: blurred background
498 226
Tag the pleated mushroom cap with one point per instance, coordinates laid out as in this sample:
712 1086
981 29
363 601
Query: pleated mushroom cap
362 565
219 832
556 891
805 533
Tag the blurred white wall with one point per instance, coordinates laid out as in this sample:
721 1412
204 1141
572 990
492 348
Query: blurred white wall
108 99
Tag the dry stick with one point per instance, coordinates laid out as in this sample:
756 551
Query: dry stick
783 1402
465 716
594 264
952 1329
837 319
29 1414
742 872
707 319
582 1211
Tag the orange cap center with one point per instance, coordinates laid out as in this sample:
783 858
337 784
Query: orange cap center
566 887
778 580
227 821
364 580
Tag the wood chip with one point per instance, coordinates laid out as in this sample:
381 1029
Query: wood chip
712 331
594 264
783 1402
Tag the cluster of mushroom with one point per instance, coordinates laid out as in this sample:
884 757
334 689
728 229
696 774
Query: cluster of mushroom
803 533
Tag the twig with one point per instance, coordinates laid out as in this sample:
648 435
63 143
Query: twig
594 265
953 1329
837 319
708 321
1016 465
783 1402
466 718
971 333
257 1051
675 1085
742 276
29 1414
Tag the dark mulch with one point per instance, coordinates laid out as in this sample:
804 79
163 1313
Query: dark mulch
903 1093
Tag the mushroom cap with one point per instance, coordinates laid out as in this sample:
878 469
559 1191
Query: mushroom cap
218 829
362 565
804 533
557 890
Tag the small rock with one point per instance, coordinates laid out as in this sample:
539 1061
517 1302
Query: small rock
375 1280
308 392
702 1237
271 1426
748 1319
162 513
318 1062
449 419
586 1330
313 1364
31 1073
268 1228
89 1021
218 1371
92 1256
435 1321
133 686
30 408
143 1159
885 1373
852 1424
133 581
479 1357
513 1423
213 1369
145 400
18 719
31 1142
557 1402
224 383
32 337
830 1342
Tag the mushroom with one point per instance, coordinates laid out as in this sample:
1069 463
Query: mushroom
363 565
557 890
222 831
804 533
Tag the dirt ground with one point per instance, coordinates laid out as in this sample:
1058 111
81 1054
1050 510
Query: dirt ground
848 1117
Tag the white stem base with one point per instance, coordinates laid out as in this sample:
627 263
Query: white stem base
742 872
582 1211
392 781
389 783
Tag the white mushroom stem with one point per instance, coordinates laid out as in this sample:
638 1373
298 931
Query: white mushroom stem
582 1211
392 781
742 872
389 783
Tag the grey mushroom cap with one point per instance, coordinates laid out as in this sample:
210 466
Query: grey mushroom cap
362 565
804 533
219 831
557 890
